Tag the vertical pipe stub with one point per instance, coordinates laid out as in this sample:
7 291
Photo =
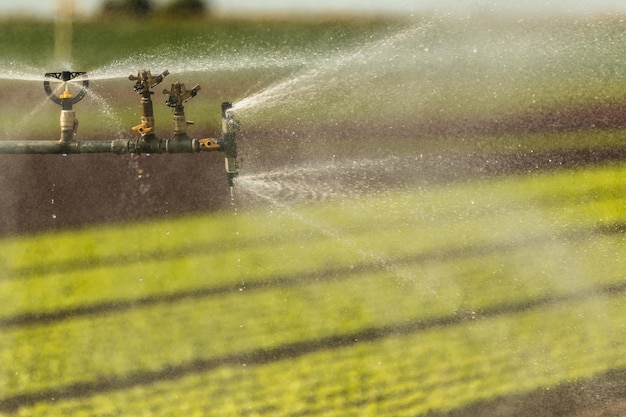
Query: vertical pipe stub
230 126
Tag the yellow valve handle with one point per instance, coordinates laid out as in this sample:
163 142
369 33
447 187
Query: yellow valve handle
209 145
142 129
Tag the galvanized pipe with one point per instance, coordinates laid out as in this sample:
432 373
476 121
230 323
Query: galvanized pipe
141 145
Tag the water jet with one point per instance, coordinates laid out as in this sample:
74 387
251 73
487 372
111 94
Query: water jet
147 142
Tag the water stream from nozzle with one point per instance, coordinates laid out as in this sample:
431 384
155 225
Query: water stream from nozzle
330 180
271 191
372 60
180 62
109 112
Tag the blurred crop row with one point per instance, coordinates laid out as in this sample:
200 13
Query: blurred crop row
398 303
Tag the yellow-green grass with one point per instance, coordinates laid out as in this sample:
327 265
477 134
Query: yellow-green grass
389 304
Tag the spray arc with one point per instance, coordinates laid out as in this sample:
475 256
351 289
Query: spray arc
147 142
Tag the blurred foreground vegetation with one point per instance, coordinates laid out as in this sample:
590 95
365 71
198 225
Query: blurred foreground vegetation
401 303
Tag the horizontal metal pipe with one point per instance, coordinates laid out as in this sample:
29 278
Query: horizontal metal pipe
116 146
57 147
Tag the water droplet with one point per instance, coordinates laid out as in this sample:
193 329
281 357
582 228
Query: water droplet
54 216
140 279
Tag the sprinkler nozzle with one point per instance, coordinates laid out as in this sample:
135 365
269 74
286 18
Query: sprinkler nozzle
65 75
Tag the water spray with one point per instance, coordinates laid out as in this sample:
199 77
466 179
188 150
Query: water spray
147 142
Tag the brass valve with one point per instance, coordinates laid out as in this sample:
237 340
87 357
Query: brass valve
142 129
209 144
144 82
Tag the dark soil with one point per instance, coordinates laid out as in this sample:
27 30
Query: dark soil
601 396
44 192
47 192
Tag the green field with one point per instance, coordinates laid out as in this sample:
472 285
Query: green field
425 299
395 304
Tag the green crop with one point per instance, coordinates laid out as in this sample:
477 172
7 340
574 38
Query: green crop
391 304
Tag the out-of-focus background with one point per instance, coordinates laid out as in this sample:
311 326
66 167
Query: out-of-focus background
47 8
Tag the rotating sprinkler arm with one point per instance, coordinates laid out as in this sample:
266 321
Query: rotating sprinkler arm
66 100
148 142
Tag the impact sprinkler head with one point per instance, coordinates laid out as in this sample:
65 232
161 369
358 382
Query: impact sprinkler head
66 100
179 94
145 81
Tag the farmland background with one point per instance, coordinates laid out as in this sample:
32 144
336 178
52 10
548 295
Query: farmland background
469 262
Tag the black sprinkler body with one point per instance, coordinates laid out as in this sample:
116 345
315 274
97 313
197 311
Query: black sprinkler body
147 142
